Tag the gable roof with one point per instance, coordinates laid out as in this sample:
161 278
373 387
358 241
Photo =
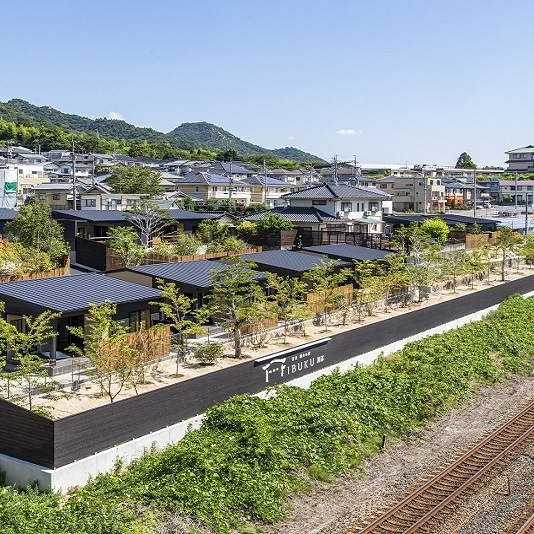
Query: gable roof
332 191
196 274
288 261
70 294
349 252
90 215
304 214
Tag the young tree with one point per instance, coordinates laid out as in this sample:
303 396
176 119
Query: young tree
136 180
454 264
23 344
34 228
289 295
149 219
325 280
177 309
527 250
104 343
507 242
125 243
436 229
238 298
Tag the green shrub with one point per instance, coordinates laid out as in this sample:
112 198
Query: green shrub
208 354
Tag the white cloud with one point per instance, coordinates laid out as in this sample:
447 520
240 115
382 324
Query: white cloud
116 116
291 138
349 131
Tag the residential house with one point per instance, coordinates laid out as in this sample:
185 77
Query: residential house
419 193
71 297
521 159
102 197
193 278
213 186
269 191
357 209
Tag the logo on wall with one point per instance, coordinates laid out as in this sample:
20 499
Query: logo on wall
290 363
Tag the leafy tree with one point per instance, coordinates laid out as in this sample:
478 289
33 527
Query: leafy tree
34 228
149 219
455 263
238 298
136 180
527 250
124 241
177 309
37 331
212 230
507 242
227 155
436 229
105 344
464 161
255 207
289 293
273 221
325 279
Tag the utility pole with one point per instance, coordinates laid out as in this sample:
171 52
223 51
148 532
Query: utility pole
231 183
475 192
424 190
515 192
265 184
73 175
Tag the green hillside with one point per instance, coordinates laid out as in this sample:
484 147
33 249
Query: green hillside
188 136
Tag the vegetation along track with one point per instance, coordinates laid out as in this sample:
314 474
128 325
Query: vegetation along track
437 497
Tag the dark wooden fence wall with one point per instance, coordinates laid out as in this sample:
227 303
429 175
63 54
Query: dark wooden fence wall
30 437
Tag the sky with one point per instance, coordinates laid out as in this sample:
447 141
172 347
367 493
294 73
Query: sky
379 81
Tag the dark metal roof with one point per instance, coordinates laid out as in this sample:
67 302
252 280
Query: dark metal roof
178 214
349 252
297 215
191 273
326 191
291 262
7 214
68 294
90 215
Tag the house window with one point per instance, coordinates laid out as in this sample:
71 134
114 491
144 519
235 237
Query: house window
139 320
373 206
318 202
55 196
41 196
346 206
89 202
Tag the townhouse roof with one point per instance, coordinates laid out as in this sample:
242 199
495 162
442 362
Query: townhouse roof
348 252
265 180
71 294
288 262
194 274
90 215
523 150
303 214
332 191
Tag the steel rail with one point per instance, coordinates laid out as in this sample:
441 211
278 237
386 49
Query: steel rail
491 450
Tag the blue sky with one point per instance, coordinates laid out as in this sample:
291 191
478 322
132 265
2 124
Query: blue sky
387 81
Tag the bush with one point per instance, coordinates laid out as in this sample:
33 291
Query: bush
208 354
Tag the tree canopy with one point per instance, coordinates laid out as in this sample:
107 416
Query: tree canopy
465 162
136 180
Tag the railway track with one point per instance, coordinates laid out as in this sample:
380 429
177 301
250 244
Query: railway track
527 527
436 498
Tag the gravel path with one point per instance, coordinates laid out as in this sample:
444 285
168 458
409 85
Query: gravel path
330 507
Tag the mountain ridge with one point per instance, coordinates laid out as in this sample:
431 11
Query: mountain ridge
187 136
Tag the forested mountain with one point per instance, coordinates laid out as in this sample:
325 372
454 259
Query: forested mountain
188 136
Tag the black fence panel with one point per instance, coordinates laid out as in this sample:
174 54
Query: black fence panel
48 443
26 435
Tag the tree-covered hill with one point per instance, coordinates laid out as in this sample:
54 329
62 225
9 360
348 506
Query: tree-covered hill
188 136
